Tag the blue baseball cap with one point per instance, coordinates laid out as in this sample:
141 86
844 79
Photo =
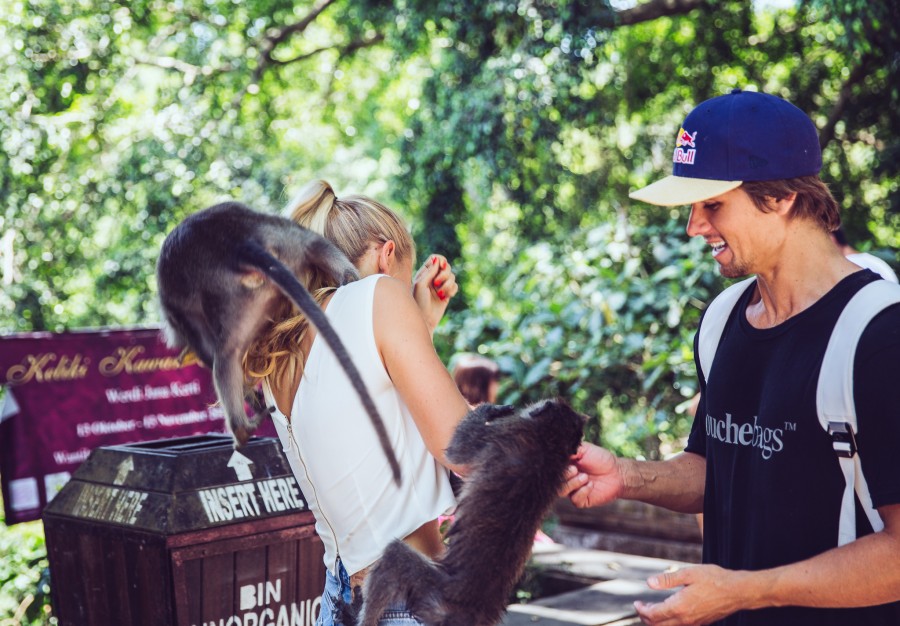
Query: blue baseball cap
728 140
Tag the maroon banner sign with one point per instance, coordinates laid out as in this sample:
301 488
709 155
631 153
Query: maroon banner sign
68 393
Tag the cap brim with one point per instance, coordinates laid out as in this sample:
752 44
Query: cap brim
677 190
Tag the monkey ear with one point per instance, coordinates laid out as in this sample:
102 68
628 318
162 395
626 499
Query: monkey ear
491 412
252 279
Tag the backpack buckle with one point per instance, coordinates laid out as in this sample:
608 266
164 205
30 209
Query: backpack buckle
842 439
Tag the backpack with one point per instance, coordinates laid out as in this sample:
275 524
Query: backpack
834 392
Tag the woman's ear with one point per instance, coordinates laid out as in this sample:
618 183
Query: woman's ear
386 257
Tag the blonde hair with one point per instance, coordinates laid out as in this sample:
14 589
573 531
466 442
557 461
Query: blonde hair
352 223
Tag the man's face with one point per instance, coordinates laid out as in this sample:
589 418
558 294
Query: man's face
744 240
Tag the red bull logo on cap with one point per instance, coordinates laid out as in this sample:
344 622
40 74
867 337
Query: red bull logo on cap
685 139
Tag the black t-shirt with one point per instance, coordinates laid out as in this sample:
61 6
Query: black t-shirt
773 481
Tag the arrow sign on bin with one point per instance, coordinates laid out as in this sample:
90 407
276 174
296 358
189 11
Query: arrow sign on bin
241 465
125 468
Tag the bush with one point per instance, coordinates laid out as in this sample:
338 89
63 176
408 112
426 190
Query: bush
24 575
605 320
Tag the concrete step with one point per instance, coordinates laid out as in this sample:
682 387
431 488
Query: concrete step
621 579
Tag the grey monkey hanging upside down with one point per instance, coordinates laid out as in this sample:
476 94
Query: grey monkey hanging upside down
516 465
221 272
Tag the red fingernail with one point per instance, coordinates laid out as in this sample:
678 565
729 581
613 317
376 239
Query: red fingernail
437 283
441 294
433 260
443 264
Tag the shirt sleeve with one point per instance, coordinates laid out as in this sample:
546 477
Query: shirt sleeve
876 392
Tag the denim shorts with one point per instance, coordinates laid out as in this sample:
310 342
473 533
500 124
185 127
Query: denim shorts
337 590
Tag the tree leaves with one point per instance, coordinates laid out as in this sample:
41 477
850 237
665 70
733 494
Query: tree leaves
509 133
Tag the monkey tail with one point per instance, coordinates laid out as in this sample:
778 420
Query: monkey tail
294 289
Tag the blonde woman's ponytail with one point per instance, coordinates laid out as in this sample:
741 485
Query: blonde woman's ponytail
352 223
312 206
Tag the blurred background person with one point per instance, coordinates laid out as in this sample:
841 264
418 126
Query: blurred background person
863 259
477 377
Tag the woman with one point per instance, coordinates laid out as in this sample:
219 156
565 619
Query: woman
385 319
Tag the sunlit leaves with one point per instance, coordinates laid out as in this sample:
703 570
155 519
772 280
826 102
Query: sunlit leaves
505 131
605 320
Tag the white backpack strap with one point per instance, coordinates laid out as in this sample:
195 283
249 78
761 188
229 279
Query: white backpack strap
714 323
834 398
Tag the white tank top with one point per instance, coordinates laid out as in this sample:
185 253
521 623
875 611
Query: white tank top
336 455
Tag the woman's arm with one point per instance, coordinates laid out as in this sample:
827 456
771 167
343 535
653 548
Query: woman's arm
404 341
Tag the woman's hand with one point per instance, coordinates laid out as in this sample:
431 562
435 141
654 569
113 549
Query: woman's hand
433 286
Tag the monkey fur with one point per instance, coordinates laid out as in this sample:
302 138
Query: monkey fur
516 463
221 272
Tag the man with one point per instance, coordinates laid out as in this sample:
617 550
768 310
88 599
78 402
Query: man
757 463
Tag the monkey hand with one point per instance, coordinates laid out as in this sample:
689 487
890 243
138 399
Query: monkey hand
433 286
593 478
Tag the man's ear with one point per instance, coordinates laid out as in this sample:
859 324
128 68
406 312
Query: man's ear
784 205
386 257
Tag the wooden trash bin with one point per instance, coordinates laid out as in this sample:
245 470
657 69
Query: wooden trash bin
185 532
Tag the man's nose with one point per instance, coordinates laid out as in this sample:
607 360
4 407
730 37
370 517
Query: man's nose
696 222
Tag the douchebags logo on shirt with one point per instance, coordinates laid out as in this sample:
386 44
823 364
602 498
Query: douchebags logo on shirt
767 440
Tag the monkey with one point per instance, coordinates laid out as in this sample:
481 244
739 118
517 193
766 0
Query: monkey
516 462
221 272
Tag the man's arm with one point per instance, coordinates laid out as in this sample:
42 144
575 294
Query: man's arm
864 572
598 477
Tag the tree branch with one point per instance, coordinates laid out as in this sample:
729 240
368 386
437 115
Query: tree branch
279 35
858 74
276 36
350 48
654 9
170 63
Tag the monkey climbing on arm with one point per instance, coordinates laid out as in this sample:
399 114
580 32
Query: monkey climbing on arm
220 273
516 460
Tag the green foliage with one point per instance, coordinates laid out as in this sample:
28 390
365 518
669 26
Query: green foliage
506 131
24 576
604 319
124 117
554 109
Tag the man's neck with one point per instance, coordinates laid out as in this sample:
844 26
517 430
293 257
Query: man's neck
806 269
